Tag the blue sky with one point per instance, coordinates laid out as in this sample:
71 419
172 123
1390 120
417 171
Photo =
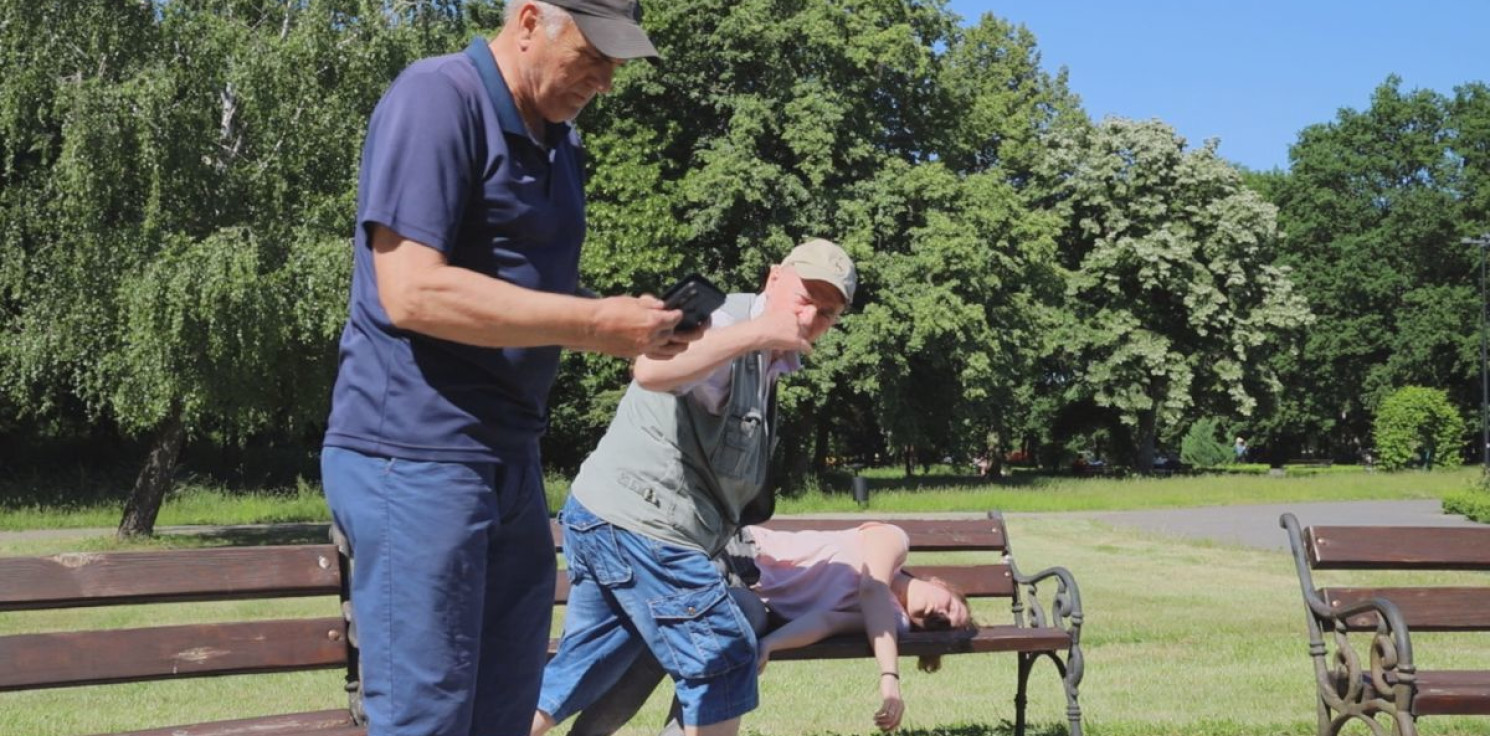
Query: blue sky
1250 72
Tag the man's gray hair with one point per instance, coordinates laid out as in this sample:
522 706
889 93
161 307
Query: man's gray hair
553 17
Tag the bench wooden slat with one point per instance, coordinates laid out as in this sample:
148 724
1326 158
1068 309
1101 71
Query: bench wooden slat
94 657
1396 547
919 643
975 581
926 535
84 579
1452 693
320 723
1425 609
943 535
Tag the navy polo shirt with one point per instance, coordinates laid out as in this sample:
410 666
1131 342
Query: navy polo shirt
449 164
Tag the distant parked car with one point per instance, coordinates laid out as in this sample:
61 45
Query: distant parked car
1167 462
1088 463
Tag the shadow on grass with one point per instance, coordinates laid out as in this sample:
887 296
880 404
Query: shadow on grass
249 536
840 483
76 488
1004 728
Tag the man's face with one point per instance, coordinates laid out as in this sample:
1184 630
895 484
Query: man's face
817 304
568 72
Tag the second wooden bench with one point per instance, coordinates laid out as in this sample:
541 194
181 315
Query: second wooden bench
1361 638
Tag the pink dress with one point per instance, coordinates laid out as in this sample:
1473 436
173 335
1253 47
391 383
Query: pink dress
803 572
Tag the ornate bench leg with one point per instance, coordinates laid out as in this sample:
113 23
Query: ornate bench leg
1071 673
1026 662
1406 725
354 663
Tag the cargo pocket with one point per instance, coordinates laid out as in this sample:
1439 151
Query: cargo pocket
705 634
591 549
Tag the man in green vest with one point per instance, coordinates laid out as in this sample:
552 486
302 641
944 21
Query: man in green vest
681 468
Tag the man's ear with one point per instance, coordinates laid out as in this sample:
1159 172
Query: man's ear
528 20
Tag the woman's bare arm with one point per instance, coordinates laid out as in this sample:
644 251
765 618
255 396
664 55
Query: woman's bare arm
809 629
884 554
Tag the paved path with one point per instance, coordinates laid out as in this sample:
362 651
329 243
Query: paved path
1257 525
1251 525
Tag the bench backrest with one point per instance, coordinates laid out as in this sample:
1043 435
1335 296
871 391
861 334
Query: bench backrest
1424 608
77 580
976 580
74 580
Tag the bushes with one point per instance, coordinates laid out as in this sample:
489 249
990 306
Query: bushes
1417 427
1200 447
1471 503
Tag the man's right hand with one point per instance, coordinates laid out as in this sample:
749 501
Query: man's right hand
626 326
781 330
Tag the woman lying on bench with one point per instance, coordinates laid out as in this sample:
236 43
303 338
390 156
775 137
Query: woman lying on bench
815 584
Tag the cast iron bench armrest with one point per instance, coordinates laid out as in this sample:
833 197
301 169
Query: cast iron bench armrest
1390 659
1065 607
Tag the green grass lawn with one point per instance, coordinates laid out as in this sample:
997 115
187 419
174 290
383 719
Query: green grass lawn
64 502
1180 638
1061 493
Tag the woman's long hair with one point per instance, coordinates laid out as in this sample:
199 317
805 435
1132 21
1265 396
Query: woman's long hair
933 662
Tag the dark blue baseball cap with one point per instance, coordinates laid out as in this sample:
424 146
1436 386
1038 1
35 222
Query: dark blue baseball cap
613 27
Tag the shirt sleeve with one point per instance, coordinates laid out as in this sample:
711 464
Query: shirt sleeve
712 390
419 159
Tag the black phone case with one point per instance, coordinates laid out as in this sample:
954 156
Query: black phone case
696 296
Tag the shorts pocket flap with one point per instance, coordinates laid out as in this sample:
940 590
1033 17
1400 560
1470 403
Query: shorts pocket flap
689 605
580 520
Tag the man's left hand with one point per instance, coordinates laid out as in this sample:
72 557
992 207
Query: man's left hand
677 343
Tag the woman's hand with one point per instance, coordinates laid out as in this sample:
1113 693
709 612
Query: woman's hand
887 718
764 658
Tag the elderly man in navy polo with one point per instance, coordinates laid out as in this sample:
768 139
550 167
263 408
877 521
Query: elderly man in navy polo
470 216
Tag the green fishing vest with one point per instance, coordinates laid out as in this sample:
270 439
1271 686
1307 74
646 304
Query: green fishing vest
670 470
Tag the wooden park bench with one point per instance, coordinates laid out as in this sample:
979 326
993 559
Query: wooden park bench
1043 626
54 659
70 658
1361 638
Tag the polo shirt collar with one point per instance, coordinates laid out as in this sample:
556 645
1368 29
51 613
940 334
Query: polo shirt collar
508 115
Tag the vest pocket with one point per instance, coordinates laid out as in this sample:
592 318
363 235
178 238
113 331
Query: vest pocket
734 456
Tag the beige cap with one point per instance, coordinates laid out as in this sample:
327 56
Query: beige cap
821 260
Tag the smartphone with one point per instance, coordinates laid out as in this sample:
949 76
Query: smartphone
697 297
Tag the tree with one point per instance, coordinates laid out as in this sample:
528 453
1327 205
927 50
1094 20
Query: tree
1373 210
1002 107
955 325
1203 446
1469 119
772 123
178 181
1174 303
